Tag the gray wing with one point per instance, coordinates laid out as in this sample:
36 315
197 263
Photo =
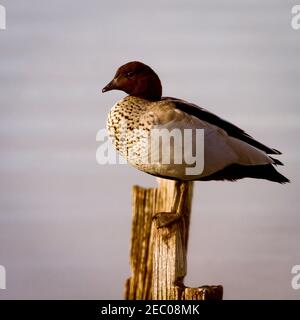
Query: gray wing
231 129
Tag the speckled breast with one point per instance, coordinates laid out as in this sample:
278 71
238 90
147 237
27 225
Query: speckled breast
128 130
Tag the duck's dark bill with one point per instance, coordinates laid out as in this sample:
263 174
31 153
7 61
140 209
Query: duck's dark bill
109 86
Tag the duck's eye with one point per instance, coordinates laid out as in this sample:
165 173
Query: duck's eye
129 74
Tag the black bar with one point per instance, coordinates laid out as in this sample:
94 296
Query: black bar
110 309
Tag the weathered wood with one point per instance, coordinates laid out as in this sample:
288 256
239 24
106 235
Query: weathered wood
144 203
158 255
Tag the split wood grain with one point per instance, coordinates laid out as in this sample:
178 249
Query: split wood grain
158 256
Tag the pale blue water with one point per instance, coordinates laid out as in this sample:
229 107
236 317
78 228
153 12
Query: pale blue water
59 208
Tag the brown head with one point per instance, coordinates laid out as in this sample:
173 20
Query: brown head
136 79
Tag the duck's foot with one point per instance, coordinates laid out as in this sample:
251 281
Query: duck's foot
166 219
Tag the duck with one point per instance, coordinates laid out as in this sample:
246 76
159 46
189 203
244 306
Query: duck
228 152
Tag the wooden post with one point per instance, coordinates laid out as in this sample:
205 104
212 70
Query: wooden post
158 255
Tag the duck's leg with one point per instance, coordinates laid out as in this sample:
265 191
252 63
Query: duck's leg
164 219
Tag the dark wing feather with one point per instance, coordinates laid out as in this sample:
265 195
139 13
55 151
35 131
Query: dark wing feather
230 128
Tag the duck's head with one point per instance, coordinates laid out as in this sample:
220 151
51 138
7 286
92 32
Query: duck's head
136 79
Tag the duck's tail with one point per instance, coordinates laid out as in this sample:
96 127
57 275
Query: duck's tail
236 171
